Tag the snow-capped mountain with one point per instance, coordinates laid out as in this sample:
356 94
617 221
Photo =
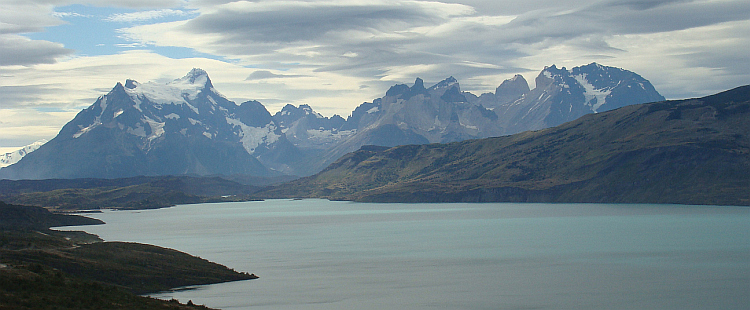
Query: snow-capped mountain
182 127
310 130
187 127
563 95
443 113
10 158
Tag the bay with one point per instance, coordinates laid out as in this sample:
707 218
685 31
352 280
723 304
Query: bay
319 254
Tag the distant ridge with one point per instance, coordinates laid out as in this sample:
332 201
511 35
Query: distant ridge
10 158
694 151
186 127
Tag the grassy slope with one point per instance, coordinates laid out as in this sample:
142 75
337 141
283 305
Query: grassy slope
139 268
689 151
36 287
129 193
47 269
25 217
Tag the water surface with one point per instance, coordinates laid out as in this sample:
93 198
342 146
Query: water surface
318 254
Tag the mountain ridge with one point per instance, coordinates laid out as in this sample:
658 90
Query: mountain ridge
692 151
187 127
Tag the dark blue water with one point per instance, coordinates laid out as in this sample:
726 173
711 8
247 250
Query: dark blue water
318 254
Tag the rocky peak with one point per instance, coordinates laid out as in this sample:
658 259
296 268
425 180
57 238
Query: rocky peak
290 114
198 75
131 84
418 85
397 89
549 75
445 84
511 89
453 94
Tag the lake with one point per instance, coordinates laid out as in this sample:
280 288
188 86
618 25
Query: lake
319 254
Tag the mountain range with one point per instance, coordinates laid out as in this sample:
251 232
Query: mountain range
10 158
694 151
186 127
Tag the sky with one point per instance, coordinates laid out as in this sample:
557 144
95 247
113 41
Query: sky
58 56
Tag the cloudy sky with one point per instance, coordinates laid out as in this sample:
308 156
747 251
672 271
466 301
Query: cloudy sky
58 56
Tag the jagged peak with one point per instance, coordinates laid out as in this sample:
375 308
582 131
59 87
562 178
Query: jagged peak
119 88
397 89
305 107
512 88
515 79
551 71
445 84
418 84
598 65
196 73
302 109
131 84
196 77
288 107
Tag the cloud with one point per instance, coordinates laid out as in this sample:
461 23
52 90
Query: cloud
265 74
69 14
23 126
18 50
22 17
27 96
137 4
336 54
145 15
361 40
479 42
287 21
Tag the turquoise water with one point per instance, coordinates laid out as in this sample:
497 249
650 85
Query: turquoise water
319 254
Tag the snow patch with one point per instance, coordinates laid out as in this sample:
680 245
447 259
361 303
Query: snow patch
117 113
103 104
172 116
10 158
157 128
592 93
373 110
87 129
179 91
328 136
252 137
469 126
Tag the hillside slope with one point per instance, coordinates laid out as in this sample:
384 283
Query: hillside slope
42 268
127 193
694 151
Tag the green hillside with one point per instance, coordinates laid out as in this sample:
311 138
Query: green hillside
48 269
694 151
126 193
